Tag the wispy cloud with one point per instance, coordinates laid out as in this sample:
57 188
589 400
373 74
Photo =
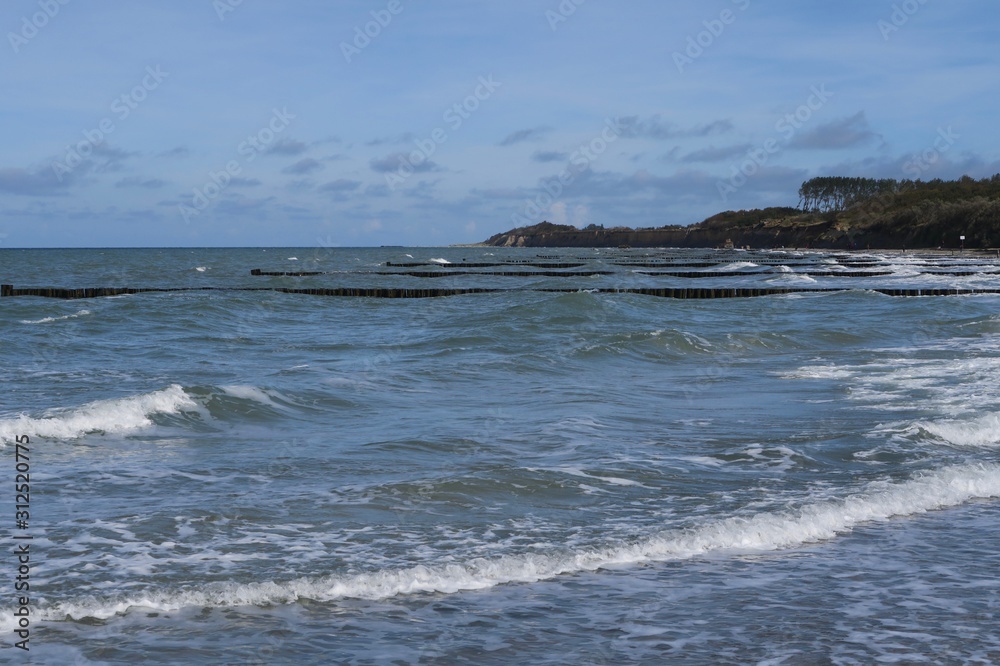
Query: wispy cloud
843 133
303 166
179 151
106 158
658 128
29 182
392 162
286 146
713 154
714 128
397 140
520 136
378 191
550 156
245 182
340 186
424 189
148 184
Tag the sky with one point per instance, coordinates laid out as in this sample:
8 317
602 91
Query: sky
344 123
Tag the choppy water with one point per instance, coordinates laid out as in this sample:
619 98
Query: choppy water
233 477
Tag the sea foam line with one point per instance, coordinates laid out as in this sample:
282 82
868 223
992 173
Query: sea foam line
109 416
46 320
763 532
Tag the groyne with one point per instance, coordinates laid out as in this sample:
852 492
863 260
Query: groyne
9 291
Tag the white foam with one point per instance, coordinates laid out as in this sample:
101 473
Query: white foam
735 266
980 433
201 269
440 261
254 394
108 416
248 393
46 320
704 461
613 480
819 372
950 386
762 532
793 278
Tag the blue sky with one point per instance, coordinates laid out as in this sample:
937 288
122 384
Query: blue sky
422 122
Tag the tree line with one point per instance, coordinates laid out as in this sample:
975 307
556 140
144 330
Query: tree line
838 193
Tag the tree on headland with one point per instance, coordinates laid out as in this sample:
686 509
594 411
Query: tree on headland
838 193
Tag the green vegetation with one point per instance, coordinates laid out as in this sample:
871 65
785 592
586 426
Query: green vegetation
747 218
839 193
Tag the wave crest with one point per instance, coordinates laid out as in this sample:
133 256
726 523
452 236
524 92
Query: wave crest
119 415
763 532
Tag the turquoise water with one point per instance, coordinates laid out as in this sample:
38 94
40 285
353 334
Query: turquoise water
235 477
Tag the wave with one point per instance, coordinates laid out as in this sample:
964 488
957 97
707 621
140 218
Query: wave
46 320
107 416
981 433
791 279
759 533
648 344
735 266
124 415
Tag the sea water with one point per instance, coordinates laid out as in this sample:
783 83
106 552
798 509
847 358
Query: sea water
515 477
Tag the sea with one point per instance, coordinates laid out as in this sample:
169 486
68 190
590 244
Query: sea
554 470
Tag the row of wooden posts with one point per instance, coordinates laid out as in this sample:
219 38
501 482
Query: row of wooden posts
592 273
8 290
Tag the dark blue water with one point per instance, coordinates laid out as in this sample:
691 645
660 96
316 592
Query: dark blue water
515 477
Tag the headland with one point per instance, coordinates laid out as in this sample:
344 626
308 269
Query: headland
833 213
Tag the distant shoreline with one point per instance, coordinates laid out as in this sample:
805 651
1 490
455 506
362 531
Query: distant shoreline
834 213
934 251
768 235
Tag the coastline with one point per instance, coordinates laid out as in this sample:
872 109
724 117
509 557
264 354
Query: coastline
751 229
